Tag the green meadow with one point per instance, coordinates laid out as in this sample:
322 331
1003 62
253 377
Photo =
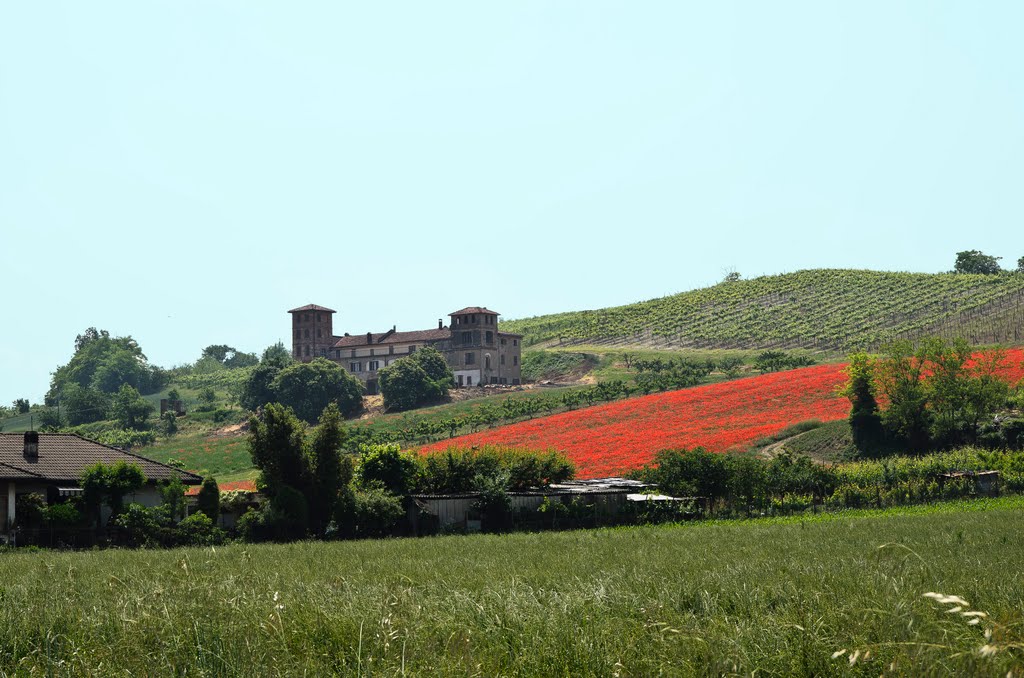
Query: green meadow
835 594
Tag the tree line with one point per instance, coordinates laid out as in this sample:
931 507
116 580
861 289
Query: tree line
931 395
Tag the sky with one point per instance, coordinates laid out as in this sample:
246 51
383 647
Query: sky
185 172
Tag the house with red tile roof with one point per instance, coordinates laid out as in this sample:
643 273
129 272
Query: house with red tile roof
478 353
50 464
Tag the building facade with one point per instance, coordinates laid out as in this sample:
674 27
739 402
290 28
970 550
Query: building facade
476 351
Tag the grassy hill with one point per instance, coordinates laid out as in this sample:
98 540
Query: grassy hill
822 309
772 597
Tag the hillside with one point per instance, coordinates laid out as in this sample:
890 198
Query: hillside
823 309
731 415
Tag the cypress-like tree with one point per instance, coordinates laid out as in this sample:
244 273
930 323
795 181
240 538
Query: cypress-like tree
865 420
208 499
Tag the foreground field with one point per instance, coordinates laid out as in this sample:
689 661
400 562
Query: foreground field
778 597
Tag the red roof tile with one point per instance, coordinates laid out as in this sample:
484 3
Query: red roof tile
63 457
383 338
475 309
312 307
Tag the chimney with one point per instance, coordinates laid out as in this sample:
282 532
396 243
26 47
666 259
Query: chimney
31 445
440 325
369 337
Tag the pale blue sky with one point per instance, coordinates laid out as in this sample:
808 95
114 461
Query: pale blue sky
185 172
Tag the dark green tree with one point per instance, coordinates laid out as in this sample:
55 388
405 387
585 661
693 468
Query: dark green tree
129 408
277 446
388 467
415 380
309 387
256 391
239 359
865 419
208 499
1020 265
82 404
330 467
21 405
973 261
907 419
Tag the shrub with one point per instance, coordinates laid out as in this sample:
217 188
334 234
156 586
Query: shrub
388 467
375 512
199 530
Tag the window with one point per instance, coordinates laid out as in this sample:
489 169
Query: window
487 362
371 351
467 338
353 355
337 353
473 319
515 342
307 351
298 334
323 353
374 365
489 337
412 349
319 333
307 334
502 342
469 380
305 317
515 360
502 359
355 367
318 317
461 380
391 350
470 358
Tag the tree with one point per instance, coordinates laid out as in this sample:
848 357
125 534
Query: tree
907 417
257 391
130 409
276 354
1020 265
172 492
108 484
277 446
865 420
973 261
208 499
21 405
239 359
388 467
218 352
309 387
104 363
83 404
415 380
330 468
405 385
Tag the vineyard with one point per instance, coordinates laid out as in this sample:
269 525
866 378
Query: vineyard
831 310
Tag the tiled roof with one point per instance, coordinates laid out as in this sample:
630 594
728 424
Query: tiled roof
63 457
312 307
474 309
384 338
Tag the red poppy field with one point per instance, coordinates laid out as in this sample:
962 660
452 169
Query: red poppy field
609 439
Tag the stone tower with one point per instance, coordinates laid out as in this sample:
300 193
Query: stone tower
312 332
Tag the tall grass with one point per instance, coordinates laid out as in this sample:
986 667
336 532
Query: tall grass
775 597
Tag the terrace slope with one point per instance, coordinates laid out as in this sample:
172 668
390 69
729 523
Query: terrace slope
822 309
